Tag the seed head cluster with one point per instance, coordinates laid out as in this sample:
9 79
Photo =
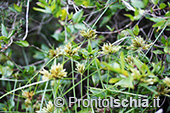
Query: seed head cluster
139 43
80 68
56 72
56 52
89 34
70 51
49 108
108 48
28 96
166 80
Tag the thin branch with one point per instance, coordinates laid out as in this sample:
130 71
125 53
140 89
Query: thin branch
26 32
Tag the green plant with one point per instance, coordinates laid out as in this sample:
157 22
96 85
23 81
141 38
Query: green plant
85 49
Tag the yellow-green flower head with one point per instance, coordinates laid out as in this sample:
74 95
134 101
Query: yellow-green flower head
57 71
52 53
28 94
70 51
139 43
80 68
108 48
136 74
46 75
166 80
129 59
49 108
57 52
149 80
27 102
89 34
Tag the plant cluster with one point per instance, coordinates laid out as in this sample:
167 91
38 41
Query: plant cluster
84 49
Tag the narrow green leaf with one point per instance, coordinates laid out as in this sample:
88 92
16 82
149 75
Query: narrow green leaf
158 52
98 62
70 16
11 33
3 38
77 16
116 68
155 1
40 5
47 10
111 29
157 19
22 43
122 60
43 2
138 63
130 16
18 8
114 80
89 47
130 32
168 4
167 14
3 30
105 20
158 24
136 30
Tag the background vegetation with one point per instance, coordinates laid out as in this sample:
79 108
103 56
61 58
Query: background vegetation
86 49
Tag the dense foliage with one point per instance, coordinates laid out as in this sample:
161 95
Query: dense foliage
85 49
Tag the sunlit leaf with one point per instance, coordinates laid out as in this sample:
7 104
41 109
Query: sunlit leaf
22 43
80 26
126 82
114 80
167 50
155 1
115 67
77 16
137 3
156 19
46 10
3 30
158 52
18 8
63 14
111 29
136 30
162 5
